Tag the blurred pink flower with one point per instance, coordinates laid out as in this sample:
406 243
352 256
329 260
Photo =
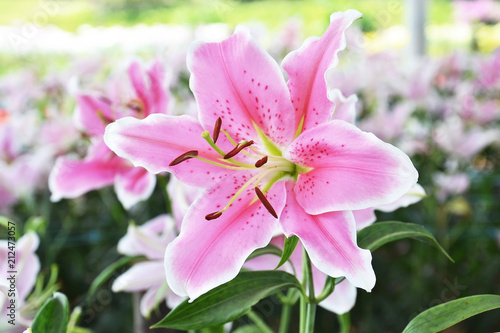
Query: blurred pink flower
27 268
305 170
71 178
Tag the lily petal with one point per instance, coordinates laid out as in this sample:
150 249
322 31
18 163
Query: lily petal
239 82
157 140
134 185
345 107
198 260
351 169
140 276
151 297
342 299
71 178
364 217
159 97
307 82
92 114
330 241
414 195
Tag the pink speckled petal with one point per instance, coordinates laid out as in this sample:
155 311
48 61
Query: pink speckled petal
209 253
157 140
330 241
93 113
239 82
306 68
352 169
134 185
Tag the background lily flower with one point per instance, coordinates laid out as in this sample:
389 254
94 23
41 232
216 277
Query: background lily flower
27 267
71 178
278 160
149 240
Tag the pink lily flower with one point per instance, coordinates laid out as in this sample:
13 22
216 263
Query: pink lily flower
71 178
283 163
27 267
149 240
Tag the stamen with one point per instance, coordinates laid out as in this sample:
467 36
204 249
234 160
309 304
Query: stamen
137 105
186 156
213 216
265 202
238 148
261 162
218 124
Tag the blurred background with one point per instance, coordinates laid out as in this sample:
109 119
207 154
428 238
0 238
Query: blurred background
427 76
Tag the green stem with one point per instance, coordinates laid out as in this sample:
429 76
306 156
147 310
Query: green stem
261 325
303 308
311 302
286 311
163 183
344 322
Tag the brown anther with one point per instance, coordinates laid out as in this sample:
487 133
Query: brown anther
137 105
218 124
213 216
261 162
186 156
266 203
237 149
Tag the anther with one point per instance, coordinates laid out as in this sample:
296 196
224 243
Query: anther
137 105
237 149
261 162
213 216
186 156
266 203
218 124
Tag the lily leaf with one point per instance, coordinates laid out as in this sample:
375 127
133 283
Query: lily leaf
448 314
108 273
288 248
380 233
53 317
228 301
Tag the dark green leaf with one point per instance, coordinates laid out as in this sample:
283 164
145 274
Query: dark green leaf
108 273
269 249
53 317
288 248
380 233
215 329
228 301
448 314
248 329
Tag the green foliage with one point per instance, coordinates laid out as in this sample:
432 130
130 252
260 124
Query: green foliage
53 317
228 301
448 314
288 248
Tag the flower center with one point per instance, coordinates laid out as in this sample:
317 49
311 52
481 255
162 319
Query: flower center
271 167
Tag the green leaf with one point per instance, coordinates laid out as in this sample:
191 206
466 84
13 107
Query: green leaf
215 329
269 249
290 244
228 301
248 329
108 273
448 314
380 233
53 317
